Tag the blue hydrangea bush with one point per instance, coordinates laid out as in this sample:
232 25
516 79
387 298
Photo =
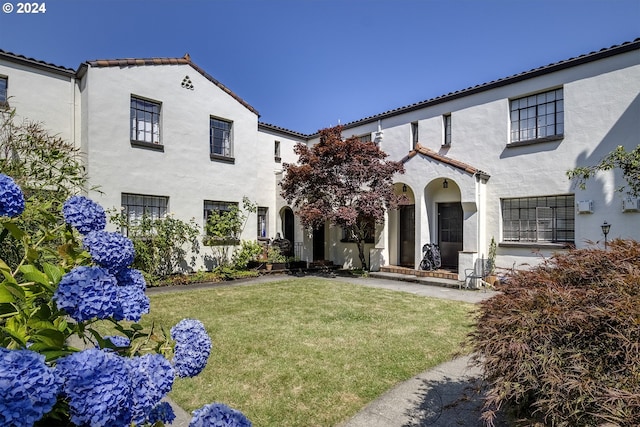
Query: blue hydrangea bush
55 367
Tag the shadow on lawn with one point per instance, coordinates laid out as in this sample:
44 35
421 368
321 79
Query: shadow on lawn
449 403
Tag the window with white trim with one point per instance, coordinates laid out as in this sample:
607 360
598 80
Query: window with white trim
145 120
539 219
220 137
538 117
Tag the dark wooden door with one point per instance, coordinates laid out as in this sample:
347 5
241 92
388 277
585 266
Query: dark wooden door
318 244
407 233
288 229
450 233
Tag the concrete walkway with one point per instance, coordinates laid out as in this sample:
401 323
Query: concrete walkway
445 396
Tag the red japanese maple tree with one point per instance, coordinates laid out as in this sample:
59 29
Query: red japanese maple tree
347 182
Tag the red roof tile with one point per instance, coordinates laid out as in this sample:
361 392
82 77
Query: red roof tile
444 159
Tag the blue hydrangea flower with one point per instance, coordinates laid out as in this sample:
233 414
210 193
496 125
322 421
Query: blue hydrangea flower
84 214
87 292
219 415
162 412
97 387
151 379
131 277
192 349
11 197
110 250
28 387
119 341
132 303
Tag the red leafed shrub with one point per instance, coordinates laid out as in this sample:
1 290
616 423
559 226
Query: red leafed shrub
560 345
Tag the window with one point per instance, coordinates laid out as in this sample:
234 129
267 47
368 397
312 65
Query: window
365 138
217 206
138 206
145 121
263 224
538 116
447 129
220 137
4 83
414 134
539 219
276 151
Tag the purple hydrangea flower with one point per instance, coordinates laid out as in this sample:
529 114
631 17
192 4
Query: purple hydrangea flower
192 349
132 303
219 415
11 197
151 379
110 250
119 341
84 214
162 412
87 292
28 387
97 387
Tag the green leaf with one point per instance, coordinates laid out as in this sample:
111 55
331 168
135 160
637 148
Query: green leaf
17 335
13 289
53 272
32 274
51 338
5 295
15 231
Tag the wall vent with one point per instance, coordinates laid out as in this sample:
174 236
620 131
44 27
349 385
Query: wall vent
631 204
585 206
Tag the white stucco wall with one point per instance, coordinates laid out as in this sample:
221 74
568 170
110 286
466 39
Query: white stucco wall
184 171
38 95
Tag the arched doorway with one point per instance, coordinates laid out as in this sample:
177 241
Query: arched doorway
288 228
450 223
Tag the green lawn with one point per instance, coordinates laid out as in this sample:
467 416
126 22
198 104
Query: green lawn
310 352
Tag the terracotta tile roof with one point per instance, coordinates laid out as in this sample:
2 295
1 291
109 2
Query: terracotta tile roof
185 60
444 159
37 63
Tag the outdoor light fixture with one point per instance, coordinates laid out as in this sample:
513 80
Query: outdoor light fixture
605 230
404 188
445 183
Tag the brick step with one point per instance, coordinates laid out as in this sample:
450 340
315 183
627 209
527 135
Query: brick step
437 274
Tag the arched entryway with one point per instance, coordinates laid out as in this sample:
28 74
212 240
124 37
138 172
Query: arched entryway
288 228
450 224
445 219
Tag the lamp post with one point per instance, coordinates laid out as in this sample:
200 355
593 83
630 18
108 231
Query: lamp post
605 230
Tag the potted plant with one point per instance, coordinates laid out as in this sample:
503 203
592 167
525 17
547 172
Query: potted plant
275 260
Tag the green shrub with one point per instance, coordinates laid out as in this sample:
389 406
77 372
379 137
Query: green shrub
161 245
561 344
248 251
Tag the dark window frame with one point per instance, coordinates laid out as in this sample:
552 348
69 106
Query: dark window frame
139 110
539 219
537 118
218 149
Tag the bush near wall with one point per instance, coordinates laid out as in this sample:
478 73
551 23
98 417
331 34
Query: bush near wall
561 345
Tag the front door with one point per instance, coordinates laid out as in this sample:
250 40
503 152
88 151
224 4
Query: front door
288 229
318 243
450 233
407 233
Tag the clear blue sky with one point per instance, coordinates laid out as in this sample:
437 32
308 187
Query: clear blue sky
307 64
